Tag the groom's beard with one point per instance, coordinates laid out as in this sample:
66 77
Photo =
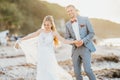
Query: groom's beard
73 16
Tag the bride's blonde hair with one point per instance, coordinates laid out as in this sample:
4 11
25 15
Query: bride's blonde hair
53 28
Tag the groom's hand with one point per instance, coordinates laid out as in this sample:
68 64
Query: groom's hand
79 43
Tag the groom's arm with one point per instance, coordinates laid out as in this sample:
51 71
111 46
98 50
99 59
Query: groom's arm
90 33
67 34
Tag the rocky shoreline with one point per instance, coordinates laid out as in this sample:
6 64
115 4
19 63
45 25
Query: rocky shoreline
105 64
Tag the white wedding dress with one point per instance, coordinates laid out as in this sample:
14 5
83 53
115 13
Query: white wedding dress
40 51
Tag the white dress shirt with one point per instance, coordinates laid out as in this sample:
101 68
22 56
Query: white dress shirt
76 30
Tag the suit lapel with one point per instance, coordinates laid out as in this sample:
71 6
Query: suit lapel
70 26
79 22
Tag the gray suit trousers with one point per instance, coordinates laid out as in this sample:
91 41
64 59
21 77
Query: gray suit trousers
82 55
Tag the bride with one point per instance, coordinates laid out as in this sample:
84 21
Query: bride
39 46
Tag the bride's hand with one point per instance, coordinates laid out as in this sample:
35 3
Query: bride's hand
17 44
75 41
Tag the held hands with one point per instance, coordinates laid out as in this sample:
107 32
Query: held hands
78 43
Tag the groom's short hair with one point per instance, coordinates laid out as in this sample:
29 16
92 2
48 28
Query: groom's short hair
70 6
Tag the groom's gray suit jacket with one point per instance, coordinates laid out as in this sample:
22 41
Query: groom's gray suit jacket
86 33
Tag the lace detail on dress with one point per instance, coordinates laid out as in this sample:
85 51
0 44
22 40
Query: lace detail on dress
45 39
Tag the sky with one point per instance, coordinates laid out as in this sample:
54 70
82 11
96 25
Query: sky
103 9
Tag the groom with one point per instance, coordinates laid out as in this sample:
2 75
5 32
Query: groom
79 28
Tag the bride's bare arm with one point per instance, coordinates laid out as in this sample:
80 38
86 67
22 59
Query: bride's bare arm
63 39
32 35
